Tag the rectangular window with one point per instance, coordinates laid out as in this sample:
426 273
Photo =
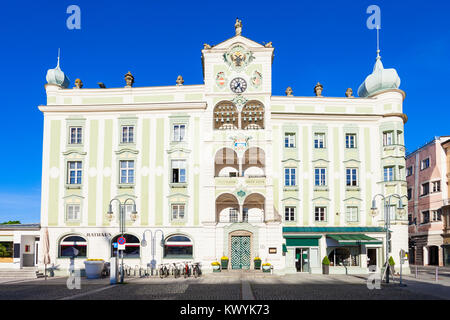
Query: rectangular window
410 219
127 171
178 171
425 217
352 214
320 177
352 177
391 211
234 217
425 164
436 186
319 140
388 138
289 177
73 212
388 174
74 172
76 135
127 134
179 131
178 211
437 215
350 141
409 171
289 214
289 140
425 189
409 193
320 213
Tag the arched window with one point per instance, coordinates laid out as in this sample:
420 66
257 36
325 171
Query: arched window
132 246
178 247
72 246
226 116
252 116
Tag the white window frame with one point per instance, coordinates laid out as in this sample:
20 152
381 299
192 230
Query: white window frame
350 140
177 136
289 139
129 178
126 136
436 184
354 177
74 210
179 165
435 215
318 213
319 140
233 215
78 172
289 213
292 173
388 138
176 210
388 174
320 173
76 137
422 164
409 171
352 214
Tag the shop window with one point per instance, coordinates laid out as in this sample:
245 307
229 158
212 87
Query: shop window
345 256
178 247
72 245
6 249
132 246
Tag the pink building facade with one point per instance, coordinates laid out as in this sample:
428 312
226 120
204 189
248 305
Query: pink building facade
426 173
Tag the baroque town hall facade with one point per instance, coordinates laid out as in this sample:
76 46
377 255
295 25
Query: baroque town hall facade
224 168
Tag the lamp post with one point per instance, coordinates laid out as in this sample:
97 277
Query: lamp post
387 222
153 239
110 214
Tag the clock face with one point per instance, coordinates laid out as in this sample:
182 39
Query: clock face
238 85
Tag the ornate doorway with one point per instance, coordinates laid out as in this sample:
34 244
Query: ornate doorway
240 252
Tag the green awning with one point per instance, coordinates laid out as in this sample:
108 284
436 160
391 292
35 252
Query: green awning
302 242
284 248
353 239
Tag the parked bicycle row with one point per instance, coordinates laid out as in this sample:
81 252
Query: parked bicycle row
179 269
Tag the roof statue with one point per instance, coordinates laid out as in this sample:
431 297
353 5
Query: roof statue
238 27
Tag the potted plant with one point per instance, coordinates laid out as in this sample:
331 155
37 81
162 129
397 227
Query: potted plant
224 262
266 267
257 262
215 266
326 265
392 264
94 268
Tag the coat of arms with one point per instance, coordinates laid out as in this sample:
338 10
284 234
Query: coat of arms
238 58
221 80
256 79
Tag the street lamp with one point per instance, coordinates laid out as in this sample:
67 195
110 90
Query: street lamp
387 222
153 239
133 216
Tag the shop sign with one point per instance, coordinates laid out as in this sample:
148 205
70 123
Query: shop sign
98 234
272 250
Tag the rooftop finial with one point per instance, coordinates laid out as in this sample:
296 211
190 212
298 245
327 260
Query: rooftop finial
59 52
378 42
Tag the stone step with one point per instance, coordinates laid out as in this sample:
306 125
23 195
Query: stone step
18 273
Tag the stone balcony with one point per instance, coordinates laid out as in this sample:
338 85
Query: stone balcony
250 181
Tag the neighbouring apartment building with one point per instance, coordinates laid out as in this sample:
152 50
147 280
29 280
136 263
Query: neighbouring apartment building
225 168
446 205
426 170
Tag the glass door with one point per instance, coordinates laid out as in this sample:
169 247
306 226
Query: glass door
302 263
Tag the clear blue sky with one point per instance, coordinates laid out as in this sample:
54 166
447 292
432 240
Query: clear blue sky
324 41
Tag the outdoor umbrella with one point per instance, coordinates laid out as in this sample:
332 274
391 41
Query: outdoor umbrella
46 250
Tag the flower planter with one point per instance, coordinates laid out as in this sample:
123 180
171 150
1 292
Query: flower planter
94 269
325 269
266 269
216 268
257 264
224 264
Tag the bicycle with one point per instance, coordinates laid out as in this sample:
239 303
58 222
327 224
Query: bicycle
187 270
174 270
163 271
196 271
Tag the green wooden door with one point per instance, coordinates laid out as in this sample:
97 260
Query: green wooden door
240 252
